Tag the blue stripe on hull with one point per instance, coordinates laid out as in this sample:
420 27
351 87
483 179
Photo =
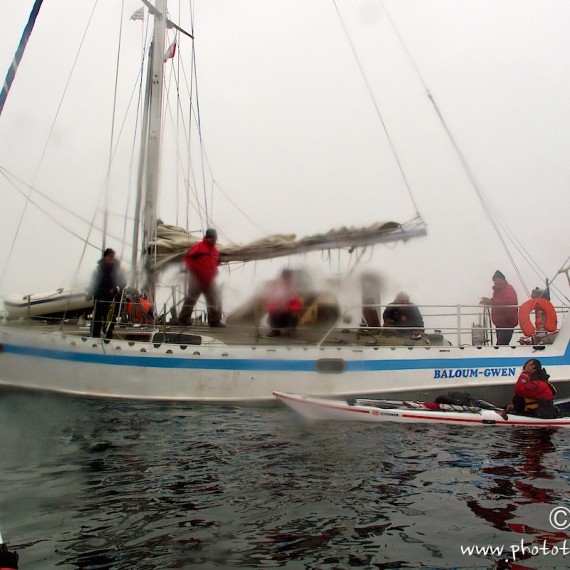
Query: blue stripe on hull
282 365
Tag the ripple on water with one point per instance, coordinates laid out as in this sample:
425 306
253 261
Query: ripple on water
96 484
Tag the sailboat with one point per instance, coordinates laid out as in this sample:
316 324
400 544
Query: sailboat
327 355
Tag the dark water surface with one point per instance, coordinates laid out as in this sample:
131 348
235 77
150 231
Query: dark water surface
108 484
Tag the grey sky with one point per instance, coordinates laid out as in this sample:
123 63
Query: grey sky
293 137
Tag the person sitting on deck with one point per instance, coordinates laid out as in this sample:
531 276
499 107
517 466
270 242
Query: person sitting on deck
283 304
402 313
534 394
139 309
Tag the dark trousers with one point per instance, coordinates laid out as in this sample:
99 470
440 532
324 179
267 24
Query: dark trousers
213 302
105 313
283 320
504 336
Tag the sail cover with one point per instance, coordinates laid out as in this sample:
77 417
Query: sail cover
172 242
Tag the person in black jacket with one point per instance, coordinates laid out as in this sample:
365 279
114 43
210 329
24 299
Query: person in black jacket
106 285
402 313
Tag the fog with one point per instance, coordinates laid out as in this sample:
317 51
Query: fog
314 115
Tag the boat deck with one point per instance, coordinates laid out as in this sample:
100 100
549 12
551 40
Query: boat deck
454 326
247 335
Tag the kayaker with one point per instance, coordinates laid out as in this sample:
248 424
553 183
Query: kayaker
534 394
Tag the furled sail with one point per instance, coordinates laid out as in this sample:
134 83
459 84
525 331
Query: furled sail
173 241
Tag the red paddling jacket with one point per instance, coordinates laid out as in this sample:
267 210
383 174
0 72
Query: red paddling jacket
202 259
535 396
502 316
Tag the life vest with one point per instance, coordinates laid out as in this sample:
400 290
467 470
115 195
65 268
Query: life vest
544 306
532 404
139 312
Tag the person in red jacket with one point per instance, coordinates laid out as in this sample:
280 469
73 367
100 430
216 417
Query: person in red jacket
534 394
504 310
283 304
202 261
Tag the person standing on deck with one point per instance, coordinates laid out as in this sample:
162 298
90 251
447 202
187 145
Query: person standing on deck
107 282
202 261
504 310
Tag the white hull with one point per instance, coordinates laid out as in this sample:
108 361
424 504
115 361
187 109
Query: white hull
339 410
72 364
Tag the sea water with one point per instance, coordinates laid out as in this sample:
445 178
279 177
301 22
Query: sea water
96 484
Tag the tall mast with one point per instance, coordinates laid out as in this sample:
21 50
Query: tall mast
150 147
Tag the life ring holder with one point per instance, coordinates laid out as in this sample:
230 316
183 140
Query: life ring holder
526 309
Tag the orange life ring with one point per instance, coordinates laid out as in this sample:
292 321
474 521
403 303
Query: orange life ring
550 320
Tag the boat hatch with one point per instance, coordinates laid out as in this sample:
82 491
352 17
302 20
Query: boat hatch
177 338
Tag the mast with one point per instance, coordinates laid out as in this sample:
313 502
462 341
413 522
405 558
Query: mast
150 146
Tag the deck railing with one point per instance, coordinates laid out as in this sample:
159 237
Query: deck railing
460 324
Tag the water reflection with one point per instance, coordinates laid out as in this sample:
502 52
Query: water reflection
520 468
133 485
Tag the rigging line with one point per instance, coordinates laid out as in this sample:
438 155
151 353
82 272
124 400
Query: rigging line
551 285
214 181
205 160
200 139
9 177
374 103
45 212
478 190
169 23
191 93
22 215
194 112
188 156
522 250
33 190
188 137
112 149
180 121
558 291
228 197
179 117
470 175
133 142
112 134
198 120
136 134
564 264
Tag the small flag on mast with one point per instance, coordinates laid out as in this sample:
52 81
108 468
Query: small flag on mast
170 51
138 14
